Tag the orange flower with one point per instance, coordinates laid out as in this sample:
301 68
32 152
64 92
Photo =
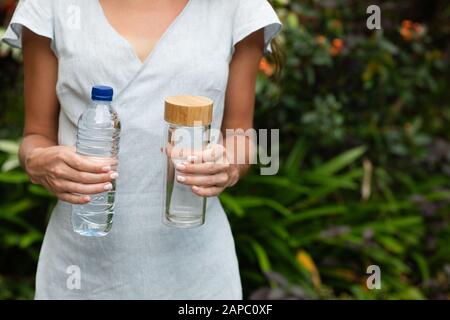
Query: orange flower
407 24
305 260
336 47
320 39
411 30
338 43
266 67
406 34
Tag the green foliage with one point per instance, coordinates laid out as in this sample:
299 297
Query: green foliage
386 204
24 210
315 209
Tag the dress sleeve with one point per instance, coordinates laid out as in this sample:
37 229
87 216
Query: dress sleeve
36 15
252 15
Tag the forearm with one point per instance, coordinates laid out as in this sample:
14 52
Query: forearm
239 104
41 102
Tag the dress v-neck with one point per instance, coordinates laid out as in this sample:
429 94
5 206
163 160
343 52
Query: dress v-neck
128 44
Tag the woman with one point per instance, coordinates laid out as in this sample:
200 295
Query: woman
146 50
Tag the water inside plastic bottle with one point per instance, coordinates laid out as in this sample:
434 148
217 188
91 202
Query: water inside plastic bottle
97 138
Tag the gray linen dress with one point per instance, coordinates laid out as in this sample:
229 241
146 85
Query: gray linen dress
140 258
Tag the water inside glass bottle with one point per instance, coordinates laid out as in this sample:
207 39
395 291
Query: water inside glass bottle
188 124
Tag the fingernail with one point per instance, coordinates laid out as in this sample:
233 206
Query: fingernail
192 158
195 188
181 178
180 167
108 186
87 198
106 168
114 175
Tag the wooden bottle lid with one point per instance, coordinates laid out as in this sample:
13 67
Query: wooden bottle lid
188 110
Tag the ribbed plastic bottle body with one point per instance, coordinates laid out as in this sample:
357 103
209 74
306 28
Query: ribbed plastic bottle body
98 138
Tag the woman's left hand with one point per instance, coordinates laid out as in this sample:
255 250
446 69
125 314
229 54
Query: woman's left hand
208 172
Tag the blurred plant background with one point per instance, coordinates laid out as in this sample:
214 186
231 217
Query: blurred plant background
365 160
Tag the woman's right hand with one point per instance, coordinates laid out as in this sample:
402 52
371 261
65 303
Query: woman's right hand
69 176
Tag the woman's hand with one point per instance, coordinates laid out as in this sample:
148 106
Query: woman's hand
69 176
208 172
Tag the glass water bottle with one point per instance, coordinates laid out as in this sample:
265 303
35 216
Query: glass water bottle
188 121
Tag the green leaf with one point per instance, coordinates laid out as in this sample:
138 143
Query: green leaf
277 181
10 147
29 238
13 177
252 202
422 264
13 208
315 213
40 191
232 204
391 244
341 161
295 158
11 163
262 257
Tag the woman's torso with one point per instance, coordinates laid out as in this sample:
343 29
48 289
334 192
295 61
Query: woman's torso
140 258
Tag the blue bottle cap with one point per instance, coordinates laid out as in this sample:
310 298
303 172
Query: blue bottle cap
102 93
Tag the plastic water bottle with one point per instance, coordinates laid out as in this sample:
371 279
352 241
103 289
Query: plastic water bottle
97 138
